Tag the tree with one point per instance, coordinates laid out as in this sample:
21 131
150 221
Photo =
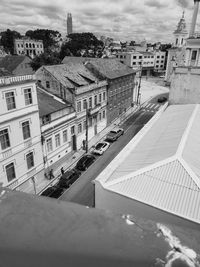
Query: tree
47 58
50 38
7 40
82 44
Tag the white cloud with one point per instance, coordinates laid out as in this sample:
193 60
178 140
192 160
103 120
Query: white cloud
154 20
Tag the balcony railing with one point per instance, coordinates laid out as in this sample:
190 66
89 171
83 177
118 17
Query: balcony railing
16 79
7 154
94 110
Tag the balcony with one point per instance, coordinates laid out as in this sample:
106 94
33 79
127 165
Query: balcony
94 110
6 154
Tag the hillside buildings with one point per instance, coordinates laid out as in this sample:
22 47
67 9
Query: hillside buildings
29 47
21 159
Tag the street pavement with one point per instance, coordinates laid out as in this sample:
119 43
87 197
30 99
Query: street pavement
82 191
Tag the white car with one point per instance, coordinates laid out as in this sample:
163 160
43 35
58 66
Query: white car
101 147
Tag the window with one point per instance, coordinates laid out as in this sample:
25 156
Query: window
79 128
95 100
104 96
162 56
134 57
84 125
10 172
176 41
57 139
100 116
140 57
28 96
161 66
46 119
99 98
104 114
157 66
72 130
64 136
157 61
158 56
26 130
90 122
47 84
79 106
84 104
90 102
4 139
10 100
49 145
134 63
194 55
30 160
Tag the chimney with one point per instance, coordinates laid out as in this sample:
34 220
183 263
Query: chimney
194 18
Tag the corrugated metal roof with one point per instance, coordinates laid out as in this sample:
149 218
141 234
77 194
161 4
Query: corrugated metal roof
168 187
161 141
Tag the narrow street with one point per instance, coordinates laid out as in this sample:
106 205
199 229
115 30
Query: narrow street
82 191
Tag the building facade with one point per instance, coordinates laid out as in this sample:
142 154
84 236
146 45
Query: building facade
75 84
21 159
160 57
56 120
28 47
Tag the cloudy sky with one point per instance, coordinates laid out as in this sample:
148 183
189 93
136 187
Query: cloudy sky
153 20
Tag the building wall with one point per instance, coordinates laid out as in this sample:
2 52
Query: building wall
118 204
24 68
12 121
29 47
185 86
159 60
120 96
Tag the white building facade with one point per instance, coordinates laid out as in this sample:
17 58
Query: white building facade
21 157
28 47
160 57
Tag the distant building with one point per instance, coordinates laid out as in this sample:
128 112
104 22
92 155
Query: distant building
69 24
2 52
176 54
17 65
160 57
56 119
28 47
21 159
75 83
157 174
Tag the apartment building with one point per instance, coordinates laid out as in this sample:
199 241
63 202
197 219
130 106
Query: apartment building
160 59
29 47
74 83
21 159
57 117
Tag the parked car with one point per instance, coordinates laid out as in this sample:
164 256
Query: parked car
85 162
68 178
162 99
53 191
114 134
101 147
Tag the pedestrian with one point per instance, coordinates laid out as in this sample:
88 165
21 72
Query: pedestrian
51 176
62 171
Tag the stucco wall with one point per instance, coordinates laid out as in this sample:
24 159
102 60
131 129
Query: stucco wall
185 87
119 204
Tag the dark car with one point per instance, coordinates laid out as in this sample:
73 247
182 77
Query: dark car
114 134
162 99
53 191
85 162
68 178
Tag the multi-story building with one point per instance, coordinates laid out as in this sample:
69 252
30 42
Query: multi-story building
160 57
57 117
137 59
21 159
74 83
29 47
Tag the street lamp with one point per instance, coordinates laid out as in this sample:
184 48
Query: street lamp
139 85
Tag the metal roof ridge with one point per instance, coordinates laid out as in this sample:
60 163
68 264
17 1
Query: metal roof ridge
191 173
142 170
184 138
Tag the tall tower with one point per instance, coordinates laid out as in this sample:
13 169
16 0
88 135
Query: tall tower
69 23
180 33
194 17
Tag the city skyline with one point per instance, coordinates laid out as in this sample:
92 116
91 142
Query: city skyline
154 20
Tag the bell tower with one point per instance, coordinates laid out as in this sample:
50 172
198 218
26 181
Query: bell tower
181 32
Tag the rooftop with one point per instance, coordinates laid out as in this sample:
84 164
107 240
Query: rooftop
48 103
20 79
10 63
162 169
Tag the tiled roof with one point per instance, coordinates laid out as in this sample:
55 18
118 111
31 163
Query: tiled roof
10 63
110 68
163 168
72 74
5 73
48 104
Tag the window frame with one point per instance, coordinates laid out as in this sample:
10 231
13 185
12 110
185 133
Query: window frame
29 99
13 98
57 140
8 145
49 145
30 158
24 131
65 136
6 170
